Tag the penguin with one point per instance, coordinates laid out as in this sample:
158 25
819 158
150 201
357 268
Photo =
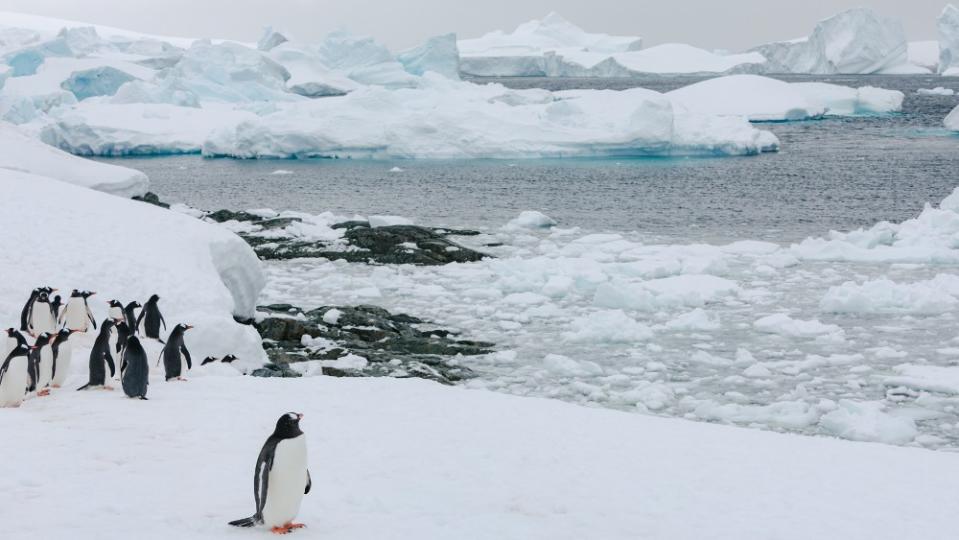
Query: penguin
228 359
14 338
25 312
42 358
175 353
116 310
76 315
130 316
40 317
62 355
100 355
55 305
123 332
135 370
151 318
280 478
208 360
14 376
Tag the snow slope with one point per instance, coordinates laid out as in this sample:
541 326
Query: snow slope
72 237
19 152
857 41
949 41
764 99
412 459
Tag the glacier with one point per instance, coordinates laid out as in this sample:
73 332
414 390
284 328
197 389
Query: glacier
948 24
857 41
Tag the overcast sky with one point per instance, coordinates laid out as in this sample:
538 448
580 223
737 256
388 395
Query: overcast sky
729 24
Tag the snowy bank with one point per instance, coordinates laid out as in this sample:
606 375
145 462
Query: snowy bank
79 238
19 152
483 465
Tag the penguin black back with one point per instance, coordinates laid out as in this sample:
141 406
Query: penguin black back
100 354
135 374
151 318
25 313
12 333
19 350
130 316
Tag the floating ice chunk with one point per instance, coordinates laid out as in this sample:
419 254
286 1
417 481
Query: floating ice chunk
949 41
281 172
757 370
531 219
695 320
439 54
845 101
952 120
607 326
564 365
786 414
20 152
270 39
857 41
937 91
937 295
396 170
102 81
868 421
784 325
384 221
332 316
941 379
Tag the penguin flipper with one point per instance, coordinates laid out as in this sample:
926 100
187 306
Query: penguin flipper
90 315
186 354
309 482
109 358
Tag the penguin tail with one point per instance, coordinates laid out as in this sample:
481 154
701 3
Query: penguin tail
245 522
84 387
144 398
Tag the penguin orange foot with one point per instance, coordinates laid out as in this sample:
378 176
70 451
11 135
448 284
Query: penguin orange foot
292 526
280 530
44 392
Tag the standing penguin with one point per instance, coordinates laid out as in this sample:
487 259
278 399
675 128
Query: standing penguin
42 358
14 376
150 317
62 356
77 315
25 312
135 371
130 316
40 318
280 478
100 358
175 354
228 359
55 306
116 310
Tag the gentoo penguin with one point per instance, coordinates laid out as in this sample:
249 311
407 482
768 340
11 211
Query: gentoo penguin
175 354
280 478
55 306
208 360
130 316
25 312
151 318
135 373
100 358
116 310
42 358
14 376
228 359
62 355
77 315
40 318
123 332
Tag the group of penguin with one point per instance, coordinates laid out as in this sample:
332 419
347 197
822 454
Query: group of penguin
28 369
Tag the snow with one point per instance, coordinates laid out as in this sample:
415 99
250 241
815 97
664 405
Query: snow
857 41
937 91
952 120
204 274
309 77
369 439
761 98
949 41
19 152
439 55
386 221
43 27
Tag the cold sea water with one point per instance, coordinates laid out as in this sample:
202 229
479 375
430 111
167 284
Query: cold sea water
647 296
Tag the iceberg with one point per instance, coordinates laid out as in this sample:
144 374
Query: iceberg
363 60
309 76
100 81
857 41
229 72
924 54
439 54
952 120
22 153
761 98
949 41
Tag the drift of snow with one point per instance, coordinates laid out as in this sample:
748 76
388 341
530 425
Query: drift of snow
204 275
857 41
19 152
949 41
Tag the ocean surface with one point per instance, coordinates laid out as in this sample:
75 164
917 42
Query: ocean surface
651 295
838 173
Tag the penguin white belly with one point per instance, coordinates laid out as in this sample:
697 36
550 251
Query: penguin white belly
64 354
75 317
42 319
46 368
287 482
13 387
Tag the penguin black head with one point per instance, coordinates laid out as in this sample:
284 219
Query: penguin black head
183 327
134 304
115 303
87 294
288 426
44 296
44 339
228 358
75 294
208 360
47 290
154 298
133 341
11 332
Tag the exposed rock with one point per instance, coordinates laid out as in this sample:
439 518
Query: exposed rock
151 198
375 343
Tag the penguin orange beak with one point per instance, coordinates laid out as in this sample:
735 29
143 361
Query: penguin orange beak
299 416
189 326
